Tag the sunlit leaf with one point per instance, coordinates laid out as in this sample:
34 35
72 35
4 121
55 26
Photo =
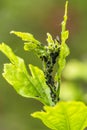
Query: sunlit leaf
64 116
26 85
30 43
64 50
27 37
50 39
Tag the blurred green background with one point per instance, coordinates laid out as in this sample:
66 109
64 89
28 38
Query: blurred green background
39 17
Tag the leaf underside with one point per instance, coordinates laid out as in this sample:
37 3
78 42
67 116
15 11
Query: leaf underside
64 116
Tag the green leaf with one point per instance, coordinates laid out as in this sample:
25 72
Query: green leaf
33 86
64 50
31 44
53 45
27 37
50 39
38 49
64 116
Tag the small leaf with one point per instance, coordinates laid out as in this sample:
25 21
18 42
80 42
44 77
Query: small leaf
65 35
64 116
26 37
38 79
38 49
64 50
33 86
29 46
50 39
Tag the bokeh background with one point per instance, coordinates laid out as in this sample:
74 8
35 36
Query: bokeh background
39 17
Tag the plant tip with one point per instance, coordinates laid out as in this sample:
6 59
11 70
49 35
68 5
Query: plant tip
11 32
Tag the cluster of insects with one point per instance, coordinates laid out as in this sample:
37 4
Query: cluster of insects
49 60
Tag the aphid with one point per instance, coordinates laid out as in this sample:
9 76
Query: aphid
48 63
44 58
54 56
